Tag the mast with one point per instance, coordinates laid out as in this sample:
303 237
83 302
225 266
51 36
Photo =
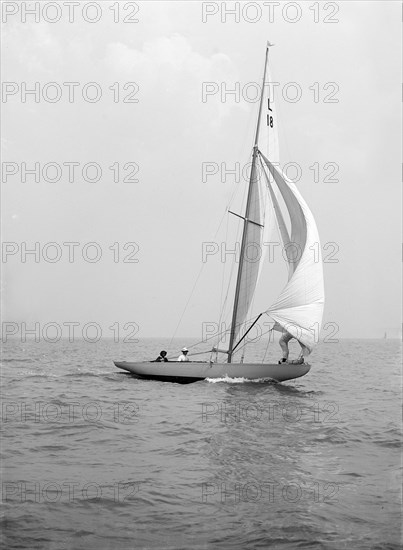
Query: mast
252 181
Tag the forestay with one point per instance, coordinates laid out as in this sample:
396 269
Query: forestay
258 226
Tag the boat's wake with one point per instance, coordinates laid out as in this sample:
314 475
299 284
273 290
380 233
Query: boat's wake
241 380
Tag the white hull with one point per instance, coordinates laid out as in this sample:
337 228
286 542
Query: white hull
192 371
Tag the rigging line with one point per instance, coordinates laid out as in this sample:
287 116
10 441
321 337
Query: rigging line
240 226
265 221
229 201
246 343
223 303
228 204
200 353
263 333
247 211
206 339
224 313
228 286
192 354
279 118
249 329
222 219
224 332
187 303
219 334
200 271
267 347
252 302
201 268
238 185
263 192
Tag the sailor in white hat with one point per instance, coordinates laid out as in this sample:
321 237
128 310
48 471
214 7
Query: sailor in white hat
183 356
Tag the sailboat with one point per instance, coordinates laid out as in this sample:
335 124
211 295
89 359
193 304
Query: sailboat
299 307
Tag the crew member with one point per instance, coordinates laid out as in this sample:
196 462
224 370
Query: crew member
284 339
183 356
162 357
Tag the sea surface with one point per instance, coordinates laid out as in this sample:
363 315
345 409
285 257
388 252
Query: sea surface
94 458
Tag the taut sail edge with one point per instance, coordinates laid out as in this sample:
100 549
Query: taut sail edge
299 308
279 218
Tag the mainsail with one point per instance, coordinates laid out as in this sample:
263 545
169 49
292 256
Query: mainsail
299 308
256 227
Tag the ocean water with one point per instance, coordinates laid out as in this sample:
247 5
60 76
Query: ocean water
94 458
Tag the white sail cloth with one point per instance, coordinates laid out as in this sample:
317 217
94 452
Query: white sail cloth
259 226
252 253
299 308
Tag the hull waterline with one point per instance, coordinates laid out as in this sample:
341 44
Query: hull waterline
192 371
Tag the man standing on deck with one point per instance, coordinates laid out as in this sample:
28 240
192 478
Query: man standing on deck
183 356
284 339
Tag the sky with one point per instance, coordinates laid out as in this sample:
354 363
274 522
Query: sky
135 110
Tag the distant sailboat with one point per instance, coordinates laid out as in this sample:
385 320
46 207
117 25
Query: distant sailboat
299 307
